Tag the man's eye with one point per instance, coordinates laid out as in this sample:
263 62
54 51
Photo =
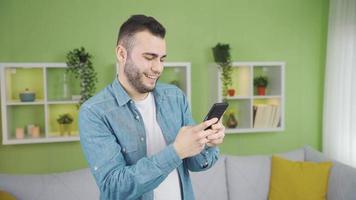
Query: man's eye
149 57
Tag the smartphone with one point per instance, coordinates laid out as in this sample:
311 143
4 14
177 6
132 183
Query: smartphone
217 110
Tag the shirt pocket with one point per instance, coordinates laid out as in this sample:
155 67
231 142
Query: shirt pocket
128 146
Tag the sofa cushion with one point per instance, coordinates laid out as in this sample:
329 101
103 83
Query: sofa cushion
6 196
75 185
211 184
248 176
296 180
342 180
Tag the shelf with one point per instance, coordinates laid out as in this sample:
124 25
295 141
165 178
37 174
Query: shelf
249 130
267 97
242 104
36 122
18 102
43 140
63 102
237 97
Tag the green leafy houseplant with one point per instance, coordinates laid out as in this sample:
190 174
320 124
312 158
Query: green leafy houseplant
64 122
260 81
79 63
65 119
222 56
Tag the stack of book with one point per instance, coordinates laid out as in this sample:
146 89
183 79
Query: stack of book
266 116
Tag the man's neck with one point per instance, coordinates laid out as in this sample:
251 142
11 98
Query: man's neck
132 92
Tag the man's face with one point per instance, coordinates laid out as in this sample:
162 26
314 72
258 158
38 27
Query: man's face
144 63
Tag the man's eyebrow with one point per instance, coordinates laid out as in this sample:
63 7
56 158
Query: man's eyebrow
154 55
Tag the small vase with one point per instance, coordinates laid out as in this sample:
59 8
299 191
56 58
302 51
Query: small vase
231 92
261 91
231 121
64 129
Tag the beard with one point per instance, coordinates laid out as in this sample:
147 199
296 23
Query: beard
135 77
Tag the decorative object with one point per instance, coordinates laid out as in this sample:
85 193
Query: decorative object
20 133
231 121
27 96
260 83
64 122
231 92
80 65
35 132
66 89
29 129
222 56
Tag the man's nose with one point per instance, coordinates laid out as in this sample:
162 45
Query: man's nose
157 66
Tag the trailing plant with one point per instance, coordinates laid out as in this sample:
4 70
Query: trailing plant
79 63
65 119
222 56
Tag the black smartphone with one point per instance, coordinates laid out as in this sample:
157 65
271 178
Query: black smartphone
217 110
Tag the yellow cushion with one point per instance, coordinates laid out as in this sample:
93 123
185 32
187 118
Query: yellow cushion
295 180
6 196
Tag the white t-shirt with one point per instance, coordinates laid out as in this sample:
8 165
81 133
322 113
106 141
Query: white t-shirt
170 187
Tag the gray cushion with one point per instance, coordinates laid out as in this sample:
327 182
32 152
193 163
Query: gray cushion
75 185
211 184
342 180
248 176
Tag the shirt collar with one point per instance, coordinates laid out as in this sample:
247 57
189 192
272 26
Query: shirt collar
119 92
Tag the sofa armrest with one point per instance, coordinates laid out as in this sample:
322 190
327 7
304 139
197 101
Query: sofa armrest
342 180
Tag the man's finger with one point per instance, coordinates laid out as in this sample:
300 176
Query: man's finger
204 134
205 124
218 125
215 136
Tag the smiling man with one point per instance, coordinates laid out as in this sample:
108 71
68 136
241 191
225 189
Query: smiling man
138 135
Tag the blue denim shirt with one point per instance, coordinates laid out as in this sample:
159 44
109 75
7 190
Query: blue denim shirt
113 138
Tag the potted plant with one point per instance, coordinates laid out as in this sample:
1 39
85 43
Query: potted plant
260 82
64 121
79 63
222 56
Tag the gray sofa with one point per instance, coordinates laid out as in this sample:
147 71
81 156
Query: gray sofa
232 177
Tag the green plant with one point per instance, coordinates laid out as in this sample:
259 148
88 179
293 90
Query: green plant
222 56
79 63
65 119
260 81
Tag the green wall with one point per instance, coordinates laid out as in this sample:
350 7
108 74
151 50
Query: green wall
257 30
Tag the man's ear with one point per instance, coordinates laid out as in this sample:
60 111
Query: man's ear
121 54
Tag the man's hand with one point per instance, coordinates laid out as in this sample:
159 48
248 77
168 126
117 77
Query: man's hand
191 140
218 135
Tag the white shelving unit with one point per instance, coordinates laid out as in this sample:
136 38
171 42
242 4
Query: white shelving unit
45 80
245 99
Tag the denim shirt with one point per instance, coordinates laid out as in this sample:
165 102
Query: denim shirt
112 135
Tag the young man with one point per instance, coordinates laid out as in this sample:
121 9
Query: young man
139 136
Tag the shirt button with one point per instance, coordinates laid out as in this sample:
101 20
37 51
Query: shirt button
204 165
123 150
142 139
95 168
137 117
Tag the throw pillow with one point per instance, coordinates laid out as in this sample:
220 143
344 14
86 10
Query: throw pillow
6 196
295 180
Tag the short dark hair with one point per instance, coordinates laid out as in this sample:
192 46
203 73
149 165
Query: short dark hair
137 23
